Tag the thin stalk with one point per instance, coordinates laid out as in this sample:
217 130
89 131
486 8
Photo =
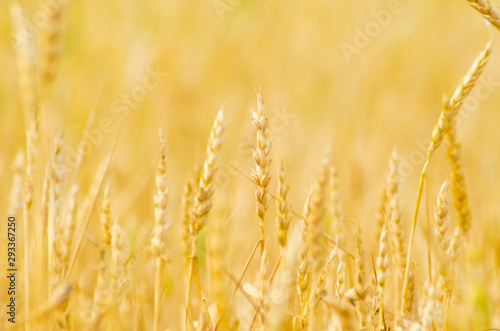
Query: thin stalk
413 227
159 265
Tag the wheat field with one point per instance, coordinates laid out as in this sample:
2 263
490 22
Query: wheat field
249 165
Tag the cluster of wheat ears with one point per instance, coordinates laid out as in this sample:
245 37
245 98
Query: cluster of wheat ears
316 281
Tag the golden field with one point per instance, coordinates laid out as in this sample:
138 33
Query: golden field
343 94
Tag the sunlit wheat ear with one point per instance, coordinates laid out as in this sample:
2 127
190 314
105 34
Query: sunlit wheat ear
105 218
408 298
160 231
283 214
453 105
57 174
441 216
428 318
317 214
381 211
319 288
50 43
56 267
489 12
67 227
44 208
202 199
26 59
61 248
261 174
457 182
360 281
454 243
291 266
337 212
396 241
443 237
187 201
118 279
102 296
340 283
304 268
31 155
159 240
383 260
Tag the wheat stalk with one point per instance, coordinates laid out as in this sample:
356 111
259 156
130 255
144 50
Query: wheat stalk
202 198
449 111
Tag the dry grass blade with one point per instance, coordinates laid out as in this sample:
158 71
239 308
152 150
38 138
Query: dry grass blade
94 190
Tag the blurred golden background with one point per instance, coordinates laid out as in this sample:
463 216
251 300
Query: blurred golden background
364 77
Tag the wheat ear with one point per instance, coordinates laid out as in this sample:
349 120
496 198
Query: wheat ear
105 219
359 284
318 291
159 240
317 214
202 199
457 182
383 259
50 44
118 258
283 215
187 200
489 12
304 268
428 314
261 174
441 217
337 212
26 60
